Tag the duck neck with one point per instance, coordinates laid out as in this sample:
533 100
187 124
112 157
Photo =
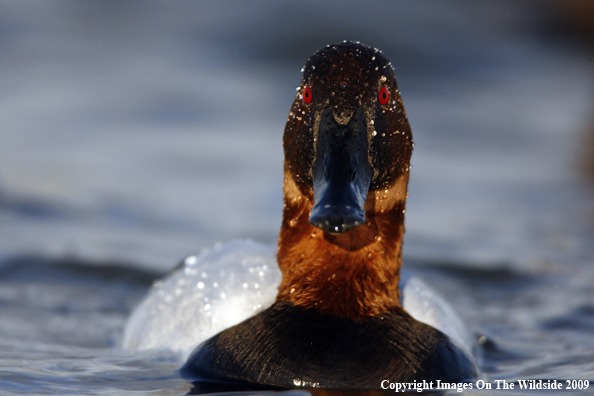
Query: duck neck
352 275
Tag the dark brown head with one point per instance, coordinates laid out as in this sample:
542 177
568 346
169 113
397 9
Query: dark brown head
347 134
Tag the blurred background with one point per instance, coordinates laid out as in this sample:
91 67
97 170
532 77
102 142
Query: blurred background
134 133
143 131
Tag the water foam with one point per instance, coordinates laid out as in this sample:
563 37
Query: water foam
229 283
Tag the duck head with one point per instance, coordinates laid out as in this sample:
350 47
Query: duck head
347 149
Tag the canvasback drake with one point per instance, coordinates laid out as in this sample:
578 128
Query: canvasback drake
337 321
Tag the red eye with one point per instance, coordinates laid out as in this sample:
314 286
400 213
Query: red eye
307 95
384 96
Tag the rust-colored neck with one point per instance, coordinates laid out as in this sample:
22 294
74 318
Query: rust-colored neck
352 275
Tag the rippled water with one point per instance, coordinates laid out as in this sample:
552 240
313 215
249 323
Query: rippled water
136 133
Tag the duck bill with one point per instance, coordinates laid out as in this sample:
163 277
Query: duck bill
341 173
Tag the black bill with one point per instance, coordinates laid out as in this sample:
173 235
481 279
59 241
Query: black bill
341 173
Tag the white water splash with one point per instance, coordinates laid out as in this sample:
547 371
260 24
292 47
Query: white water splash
229 283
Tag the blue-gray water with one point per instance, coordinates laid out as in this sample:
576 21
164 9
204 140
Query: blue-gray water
134 133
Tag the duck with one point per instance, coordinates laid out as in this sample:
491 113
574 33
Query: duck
337 321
